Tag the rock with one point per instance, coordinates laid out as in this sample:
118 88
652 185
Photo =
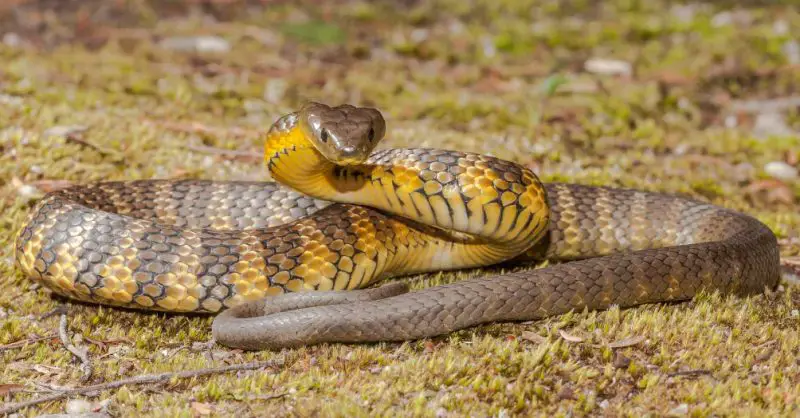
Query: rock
681 409
621 361
608 66
781 170
12 39
771 124
792 51
65 130
207 44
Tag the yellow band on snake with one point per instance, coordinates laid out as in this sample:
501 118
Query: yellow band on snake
404 211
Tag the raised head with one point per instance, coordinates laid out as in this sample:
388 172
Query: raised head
344 134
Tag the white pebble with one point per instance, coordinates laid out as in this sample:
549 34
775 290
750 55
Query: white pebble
681 409
781 170
196 44
608 66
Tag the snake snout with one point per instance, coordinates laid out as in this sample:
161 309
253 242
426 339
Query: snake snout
351 155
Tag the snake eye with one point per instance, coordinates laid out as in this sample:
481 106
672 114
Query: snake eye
324 135
371 134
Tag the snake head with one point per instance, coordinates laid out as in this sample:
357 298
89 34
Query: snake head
344 134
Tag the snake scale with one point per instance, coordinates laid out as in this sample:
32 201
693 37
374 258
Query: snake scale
258 248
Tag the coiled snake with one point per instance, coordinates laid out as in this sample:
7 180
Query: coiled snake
200 246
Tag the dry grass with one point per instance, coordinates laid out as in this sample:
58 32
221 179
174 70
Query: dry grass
447 76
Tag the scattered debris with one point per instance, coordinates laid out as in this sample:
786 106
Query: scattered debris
569 337
240 155
12 40
533 337
566 393
81 353
6 389
791 49
201 408
781 170
138 380
65 130
621 361
790 269
681 409
690 373
771 124
765 106
608 67
627 342
769 191
201 44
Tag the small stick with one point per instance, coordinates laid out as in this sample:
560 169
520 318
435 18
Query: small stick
23 343
232 154
81 354
137 380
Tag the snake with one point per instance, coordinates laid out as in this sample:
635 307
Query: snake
295 261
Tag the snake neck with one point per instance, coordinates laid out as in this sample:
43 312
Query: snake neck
294 161
488 199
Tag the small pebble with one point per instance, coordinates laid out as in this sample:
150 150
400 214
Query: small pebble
65 130
771 124
77 406
12 39
781 170
211 44
621 361
681 409
566 393
792 51
608 66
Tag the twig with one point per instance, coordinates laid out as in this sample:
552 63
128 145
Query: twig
233 154
138 380
23 343
59 310
690 373
86 144
200 128
81 354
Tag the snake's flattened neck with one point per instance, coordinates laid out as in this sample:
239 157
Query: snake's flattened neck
293 160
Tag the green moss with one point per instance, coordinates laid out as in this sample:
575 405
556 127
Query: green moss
501 77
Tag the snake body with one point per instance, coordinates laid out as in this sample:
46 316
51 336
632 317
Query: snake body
202 246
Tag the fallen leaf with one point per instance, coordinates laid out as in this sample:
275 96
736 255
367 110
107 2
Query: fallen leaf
202 408
48 186
569 337
621 361
5 389
533 337
41 368
771 191
627 342
566 393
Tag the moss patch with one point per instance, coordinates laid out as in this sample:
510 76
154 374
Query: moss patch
91 91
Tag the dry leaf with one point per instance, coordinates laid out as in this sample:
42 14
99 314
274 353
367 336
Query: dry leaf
771 191
627 342
533 337
5 389
41 368
48 186
569 337
202 408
